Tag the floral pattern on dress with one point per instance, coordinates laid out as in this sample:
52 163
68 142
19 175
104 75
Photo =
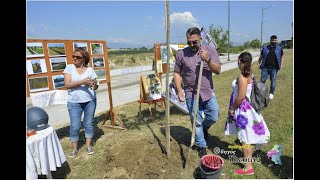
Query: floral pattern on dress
244 106
258 128
241 121
249 125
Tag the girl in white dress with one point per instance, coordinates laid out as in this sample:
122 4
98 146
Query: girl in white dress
242 119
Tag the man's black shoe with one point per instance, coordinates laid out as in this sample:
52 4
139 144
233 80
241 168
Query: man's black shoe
205 134
202 151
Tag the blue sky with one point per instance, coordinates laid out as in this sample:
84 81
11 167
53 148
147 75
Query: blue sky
141 23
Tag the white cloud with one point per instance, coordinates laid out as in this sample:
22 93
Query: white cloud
183 19
30 29
149 18
179 24
119 40
44 27
39 29
239 34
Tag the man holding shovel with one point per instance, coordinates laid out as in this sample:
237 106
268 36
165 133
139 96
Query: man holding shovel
187 69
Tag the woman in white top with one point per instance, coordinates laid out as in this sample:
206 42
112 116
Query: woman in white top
81 82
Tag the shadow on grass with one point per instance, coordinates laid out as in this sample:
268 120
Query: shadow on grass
60 173
162 147
182 136
284 171
64 132
134 122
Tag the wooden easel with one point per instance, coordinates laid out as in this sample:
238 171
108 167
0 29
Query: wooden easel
144 96
112 114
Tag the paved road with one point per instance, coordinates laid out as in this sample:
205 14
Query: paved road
125 89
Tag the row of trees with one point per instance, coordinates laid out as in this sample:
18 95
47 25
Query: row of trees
217 33
221 38
132 51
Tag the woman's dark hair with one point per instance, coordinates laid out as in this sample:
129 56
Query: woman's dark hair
85 55
246 59
192 31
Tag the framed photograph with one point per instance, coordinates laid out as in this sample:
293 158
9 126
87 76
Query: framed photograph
98 61
96 48
34 49
56 49
58 64
58 81
101 74
151 86
159 66
38 84
80 45
36 66
163 50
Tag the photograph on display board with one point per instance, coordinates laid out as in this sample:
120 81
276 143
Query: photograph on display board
58 81
96 48
34 49
56 49
163 50
159 66
80 45
58 64
151 86
36 66
98 61
101 74
38 84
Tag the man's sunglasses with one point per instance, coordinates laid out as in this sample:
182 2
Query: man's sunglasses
77 57
193 42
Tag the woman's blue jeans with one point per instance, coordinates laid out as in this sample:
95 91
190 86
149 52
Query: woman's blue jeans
75 113
210 109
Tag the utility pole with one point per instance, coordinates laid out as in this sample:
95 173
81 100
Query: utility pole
292 31
262 11
228 30
167 78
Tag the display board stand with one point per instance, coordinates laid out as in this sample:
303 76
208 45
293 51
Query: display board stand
144 98
47 58
111 124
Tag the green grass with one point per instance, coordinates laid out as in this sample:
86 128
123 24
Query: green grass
139 152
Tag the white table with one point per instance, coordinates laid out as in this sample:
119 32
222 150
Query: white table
44 153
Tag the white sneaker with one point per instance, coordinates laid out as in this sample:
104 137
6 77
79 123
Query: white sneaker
270 96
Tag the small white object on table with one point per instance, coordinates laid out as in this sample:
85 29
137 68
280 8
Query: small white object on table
44 153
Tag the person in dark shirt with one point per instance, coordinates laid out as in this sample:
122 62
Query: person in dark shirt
186 70
270 62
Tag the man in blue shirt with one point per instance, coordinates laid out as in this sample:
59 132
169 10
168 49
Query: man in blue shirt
270 62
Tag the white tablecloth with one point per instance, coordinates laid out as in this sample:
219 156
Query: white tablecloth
44 153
